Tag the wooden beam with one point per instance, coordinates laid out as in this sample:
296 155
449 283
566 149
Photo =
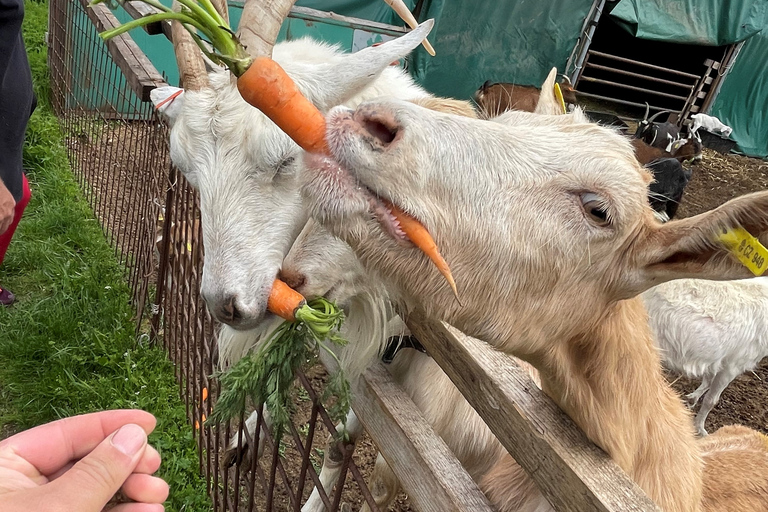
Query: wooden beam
139 72
307 14
137 9
571 472
428 471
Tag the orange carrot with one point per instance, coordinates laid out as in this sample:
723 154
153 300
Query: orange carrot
267 86
421 238
284 301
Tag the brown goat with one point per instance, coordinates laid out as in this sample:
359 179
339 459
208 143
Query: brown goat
495 98
683 151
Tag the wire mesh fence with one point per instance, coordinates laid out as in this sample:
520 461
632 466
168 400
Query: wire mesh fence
118 149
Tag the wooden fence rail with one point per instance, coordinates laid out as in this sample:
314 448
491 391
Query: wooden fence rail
572 473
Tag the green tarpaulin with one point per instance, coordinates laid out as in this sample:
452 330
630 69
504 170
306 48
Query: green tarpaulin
508 41
743 100
706 22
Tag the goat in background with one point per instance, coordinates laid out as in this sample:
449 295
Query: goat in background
710 330
494 99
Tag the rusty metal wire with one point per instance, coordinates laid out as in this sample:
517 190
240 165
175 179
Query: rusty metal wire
118 149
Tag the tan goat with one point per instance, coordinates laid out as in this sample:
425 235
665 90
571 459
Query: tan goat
546 225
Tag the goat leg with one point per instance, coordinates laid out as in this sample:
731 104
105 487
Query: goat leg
332 462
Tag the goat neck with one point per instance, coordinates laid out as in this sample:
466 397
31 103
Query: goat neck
610 383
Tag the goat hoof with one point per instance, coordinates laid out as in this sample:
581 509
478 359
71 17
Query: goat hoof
345 507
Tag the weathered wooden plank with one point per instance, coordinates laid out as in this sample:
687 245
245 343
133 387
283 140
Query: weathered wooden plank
139 72
428 471
572 473
137 9
307 14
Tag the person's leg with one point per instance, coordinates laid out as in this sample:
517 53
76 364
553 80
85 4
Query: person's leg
6 297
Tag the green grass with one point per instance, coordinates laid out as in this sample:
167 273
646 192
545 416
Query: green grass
68 344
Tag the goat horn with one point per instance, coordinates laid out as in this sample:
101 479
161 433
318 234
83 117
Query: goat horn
647 111
260 24
405 14
657 114
566 80
189 58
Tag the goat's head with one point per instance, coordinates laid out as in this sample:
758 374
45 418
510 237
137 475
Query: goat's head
687 150
569 93
319 264
544 219
245 168
646 124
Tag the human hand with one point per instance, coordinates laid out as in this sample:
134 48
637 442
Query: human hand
77 464
7 205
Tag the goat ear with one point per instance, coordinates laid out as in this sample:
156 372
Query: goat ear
330 84
690 248
168 101
548 103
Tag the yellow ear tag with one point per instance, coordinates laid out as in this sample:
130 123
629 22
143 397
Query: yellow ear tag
189 246
559 96
748 249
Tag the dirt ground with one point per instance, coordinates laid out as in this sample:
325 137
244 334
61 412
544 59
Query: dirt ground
715 180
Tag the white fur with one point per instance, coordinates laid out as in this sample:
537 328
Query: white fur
710 330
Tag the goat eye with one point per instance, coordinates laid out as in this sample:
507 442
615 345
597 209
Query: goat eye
595 209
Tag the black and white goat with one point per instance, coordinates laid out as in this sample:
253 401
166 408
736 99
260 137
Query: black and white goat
659 135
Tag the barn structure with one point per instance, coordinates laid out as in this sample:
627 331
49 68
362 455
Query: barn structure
684 56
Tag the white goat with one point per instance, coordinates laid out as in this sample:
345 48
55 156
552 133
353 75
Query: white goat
710 330
709 123
328 266
245 168
546 225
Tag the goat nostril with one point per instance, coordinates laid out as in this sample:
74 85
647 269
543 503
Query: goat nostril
385 134
228 311
294 280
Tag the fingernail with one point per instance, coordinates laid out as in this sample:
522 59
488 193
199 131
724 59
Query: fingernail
129 439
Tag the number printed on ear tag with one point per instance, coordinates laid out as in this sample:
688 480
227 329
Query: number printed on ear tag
748 249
